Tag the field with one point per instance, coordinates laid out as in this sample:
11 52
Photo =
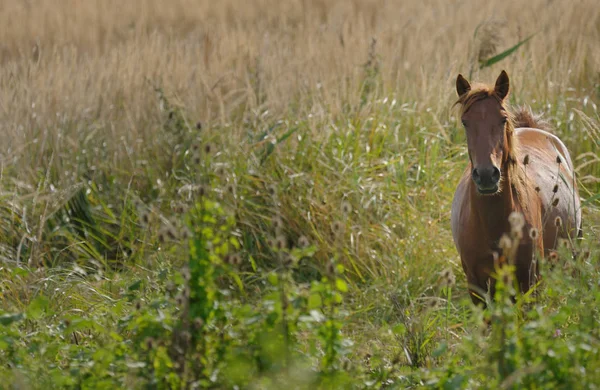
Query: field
203 194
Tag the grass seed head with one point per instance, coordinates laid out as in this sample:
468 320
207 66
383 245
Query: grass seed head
534 234
346 208
526 160
331 268
277 223
281 242
558 160
230 188
553 257
505 243
337 228
303 242
198 323
555 202
516 220
558 221
555 188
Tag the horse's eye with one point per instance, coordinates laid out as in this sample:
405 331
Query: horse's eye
504 120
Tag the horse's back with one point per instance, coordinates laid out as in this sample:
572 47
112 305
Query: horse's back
551 168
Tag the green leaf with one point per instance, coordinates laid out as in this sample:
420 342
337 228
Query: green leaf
399 329
314 301
341 285
590 200
499 57
135 286
37 307
7 319
273 279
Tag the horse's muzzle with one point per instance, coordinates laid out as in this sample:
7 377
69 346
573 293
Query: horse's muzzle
486 179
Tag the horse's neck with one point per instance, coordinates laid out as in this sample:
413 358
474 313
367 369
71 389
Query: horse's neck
493 211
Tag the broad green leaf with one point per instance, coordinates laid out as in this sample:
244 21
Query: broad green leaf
37 307
7 319
273 279
499 57
314 301
341 285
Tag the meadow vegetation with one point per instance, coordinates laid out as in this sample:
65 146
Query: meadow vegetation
228 194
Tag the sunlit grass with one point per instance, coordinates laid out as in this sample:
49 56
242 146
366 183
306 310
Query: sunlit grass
322 128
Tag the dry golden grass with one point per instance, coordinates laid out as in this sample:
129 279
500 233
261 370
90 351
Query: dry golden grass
97 59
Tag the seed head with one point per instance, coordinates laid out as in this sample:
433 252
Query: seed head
220 171
555 202
585 255
558 160
208 148
558 221
230 188
331 268
506 279
281 242
553 257
138 305
526 159
272 190
171 233
145 217
199 125
563 243
198 323
516 234
537 189
277 223
149 342
303 242
196 159
337 227
448 278
195 147
555 188
346 208
534 234
185 234
505 242
200 189
516 220
236 259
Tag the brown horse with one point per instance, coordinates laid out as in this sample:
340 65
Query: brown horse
516 167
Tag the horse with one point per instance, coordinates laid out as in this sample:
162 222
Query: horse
517 197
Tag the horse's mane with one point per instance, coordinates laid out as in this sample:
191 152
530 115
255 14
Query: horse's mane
523 117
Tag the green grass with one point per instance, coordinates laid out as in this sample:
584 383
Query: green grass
283 257
297 236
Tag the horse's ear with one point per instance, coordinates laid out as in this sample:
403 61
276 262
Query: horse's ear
462 85
502 85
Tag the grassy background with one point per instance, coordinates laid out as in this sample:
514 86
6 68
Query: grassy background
325 121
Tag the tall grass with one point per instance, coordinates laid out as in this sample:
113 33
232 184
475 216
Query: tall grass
327 123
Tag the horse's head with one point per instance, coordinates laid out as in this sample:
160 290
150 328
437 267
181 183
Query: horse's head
489 133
